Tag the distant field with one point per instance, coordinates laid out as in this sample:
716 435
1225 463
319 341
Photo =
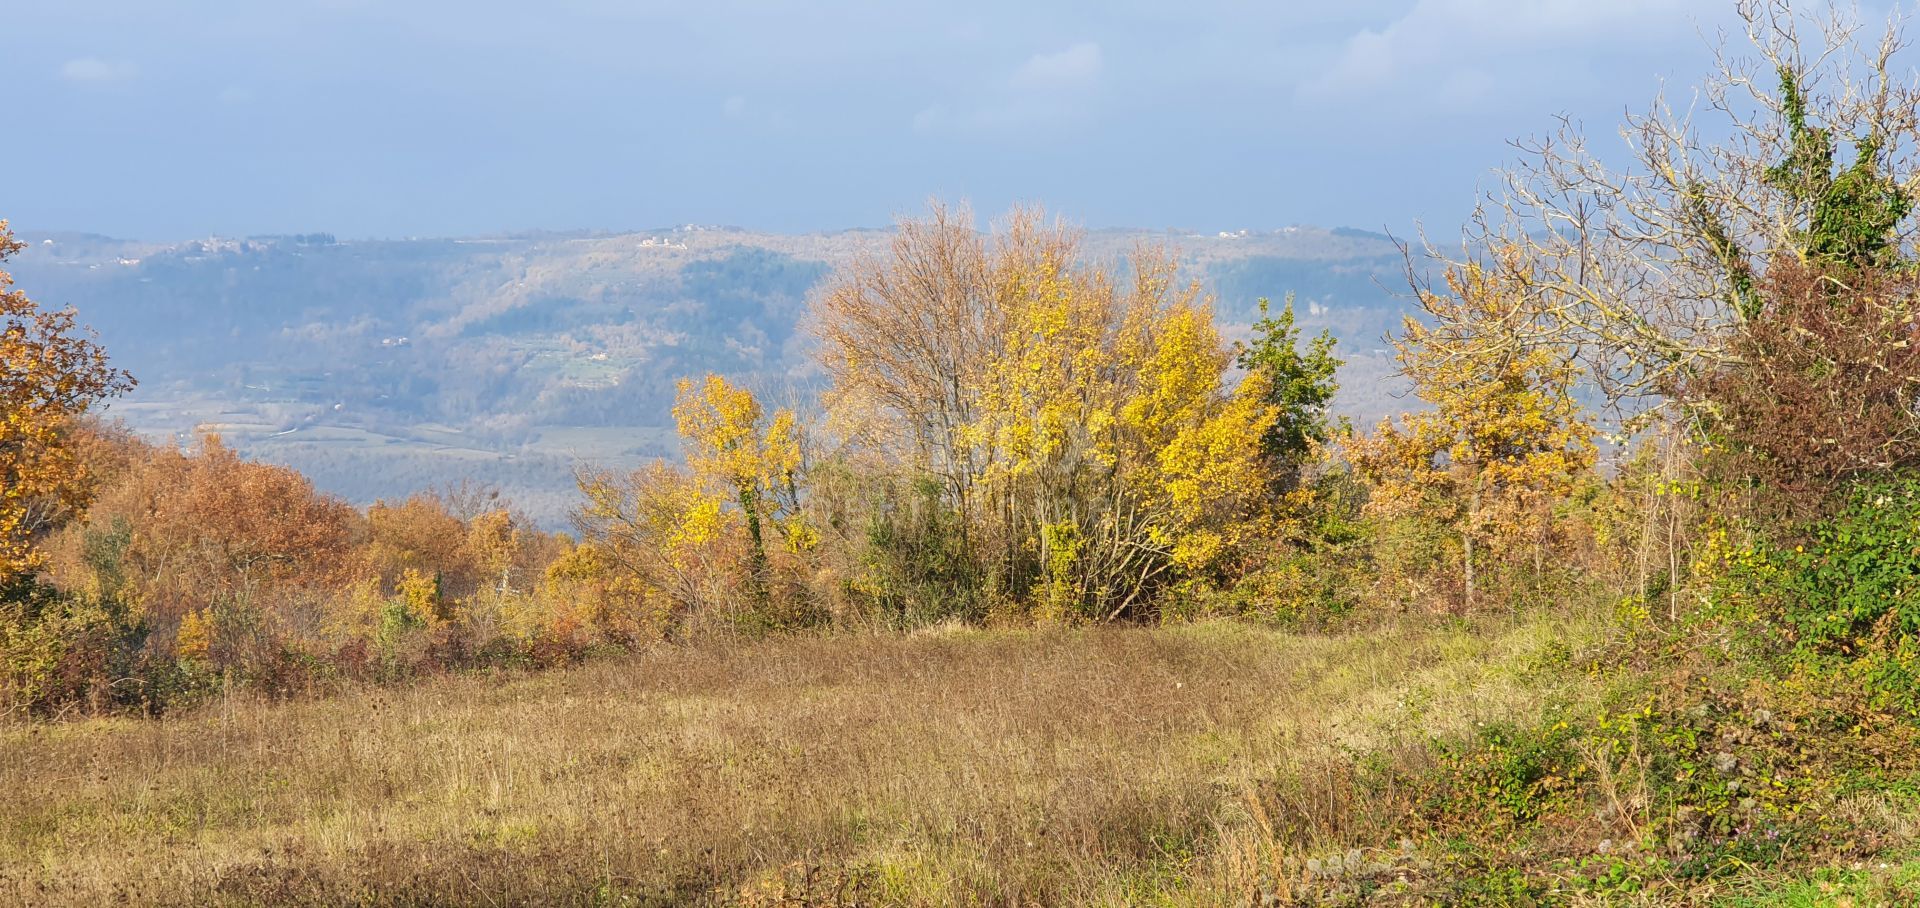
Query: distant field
1117 766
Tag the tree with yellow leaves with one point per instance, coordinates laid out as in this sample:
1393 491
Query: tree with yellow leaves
1197 446
51 373
1504 439
1119 460
496 542
659 535
1078 416
730 441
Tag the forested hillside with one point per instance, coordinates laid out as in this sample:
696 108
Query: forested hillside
386 366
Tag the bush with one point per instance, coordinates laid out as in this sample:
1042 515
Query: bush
1820 387
1511 774
916 569
58 651
1846 597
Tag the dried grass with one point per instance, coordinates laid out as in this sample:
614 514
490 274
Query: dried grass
1184 765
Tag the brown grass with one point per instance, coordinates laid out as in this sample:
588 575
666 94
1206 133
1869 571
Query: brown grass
1187 765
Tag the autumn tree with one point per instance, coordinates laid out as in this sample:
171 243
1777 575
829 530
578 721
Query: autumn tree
1822 390
906 338
1077 415
658 538
496 540
1803 149
51 373
187 529
1504 440
731 441
422 534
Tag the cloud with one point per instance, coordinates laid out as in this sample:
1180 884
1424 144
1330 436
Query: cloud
734 107
96 70
1048 88
1448 45
1076 67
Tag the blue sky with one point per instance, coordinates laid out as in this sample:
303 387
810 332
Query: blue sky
388 118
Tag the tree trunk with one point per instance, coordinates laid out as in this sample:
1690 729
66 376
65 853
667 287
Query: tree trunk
757 554
1466 544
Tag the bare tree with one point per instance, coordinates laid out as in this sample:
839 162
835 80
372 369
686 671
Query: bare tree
907 336
1804 148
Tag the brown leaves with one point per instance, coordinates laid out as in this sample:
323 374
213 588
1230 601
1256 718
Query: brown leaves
209 525
1822 388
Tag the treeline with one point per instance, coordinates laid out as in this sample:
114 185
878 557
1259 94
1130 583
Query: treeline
1012 434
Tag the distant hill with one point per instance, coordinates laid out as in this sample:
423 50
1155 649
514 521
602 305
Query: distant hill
381 367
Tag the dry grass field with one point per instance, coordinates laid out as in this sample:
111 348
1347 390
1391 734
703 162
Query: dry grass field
1194 765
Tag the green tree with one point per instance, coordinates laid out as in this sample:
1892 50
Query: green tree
1300 385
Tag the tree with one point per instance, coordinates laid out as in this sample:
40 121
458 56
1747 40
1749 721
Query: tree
423 534
659 535
1504 441
1299 386
906 337
1808 152
51 374
730 441
496 543
1822 393
188 530
1077 416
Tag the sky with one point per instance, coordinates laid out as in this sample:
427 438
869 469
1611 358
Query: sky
395 118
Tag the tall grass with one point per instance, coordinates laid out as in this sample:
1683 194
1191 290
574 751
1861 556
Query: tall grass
1200 764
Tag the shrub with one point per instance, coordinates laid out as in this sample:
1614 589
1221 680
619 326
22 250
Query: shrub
1820 387
1511 774
58 651
1846 597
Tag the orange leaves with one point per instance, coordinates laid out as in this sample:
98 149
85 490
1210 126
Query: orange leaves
50 374
1504 439
209 525
194 639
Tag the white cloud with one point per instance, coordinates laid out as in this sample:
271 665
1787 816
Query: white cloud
1073 68
1448 45
96 70
734 107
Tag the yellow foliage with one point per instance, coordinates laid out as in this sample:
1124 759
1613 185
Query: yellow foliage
495 543
194 639
721 425
1106 413
1504 441
728 444
50 374
420 597
660 535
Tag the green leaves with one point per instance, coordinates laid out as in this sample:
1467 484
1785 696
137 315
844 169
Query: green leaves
1851 216
1301 385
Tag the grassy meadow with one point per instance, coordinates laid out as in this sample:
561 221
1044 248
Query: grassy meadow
1202 765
